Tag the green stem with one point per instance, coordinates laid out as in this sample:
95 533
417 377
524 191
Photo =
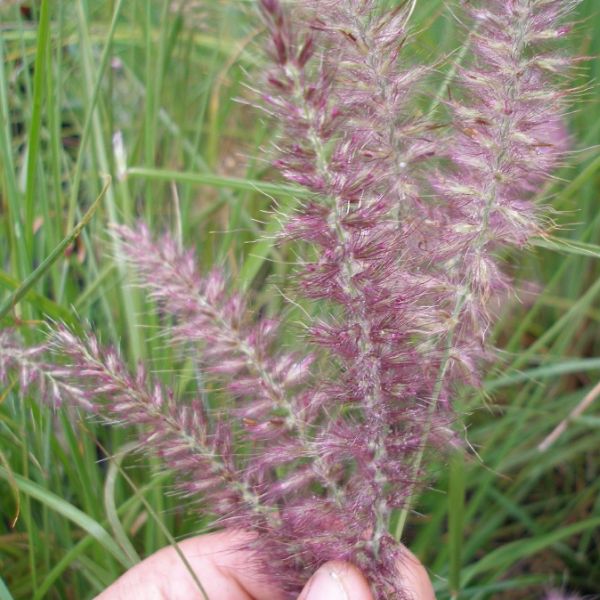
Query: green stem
36 122
20 292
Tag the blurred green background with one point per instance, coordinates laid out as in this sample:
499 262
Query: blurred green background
145 91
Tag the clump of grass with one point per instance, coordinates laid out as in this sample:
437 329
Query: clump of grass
502 530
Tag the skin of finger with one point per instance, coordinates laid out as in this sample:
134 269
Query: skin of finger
225 571
414 577
347 579
354 586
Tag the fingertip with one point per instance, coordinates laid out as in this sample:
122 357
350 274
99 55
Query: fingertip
337 580
414 577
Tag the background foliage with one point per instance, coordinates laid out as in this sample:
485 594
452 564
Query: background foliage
504 520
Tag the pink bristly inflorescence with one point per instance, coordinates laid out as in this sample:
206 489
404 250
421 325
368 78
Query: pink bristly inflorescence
561 595
399 241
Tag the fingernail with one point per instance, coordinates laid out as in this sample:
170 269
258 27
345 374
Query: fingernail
326 584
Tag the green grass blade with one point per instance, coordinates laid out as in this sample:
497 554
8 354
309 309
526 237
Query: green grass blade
75 551
559 326
36 121
261 249
111 508
46 306
30 281
564 367
4 593
576 184
90 112
503 558
72 513
7 168
217 181
169 536
568 246
456 507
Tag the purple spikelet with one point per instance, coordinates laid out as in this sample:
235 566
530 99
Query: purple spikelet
413 277
231 344
340 152
508 137
275 411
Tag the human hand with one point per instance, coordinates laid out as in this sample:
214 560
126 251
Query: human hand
228 573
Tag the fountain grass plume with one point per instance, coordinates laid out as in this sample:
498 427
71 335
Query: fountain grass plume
398 243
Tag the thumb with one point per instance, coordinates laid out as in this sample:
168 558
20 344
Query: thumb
337 581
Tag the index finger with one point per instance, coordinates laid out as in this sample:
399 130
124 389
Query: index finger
225 569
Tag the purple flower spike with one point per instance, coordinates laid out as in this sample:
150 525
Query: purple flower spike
405 246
